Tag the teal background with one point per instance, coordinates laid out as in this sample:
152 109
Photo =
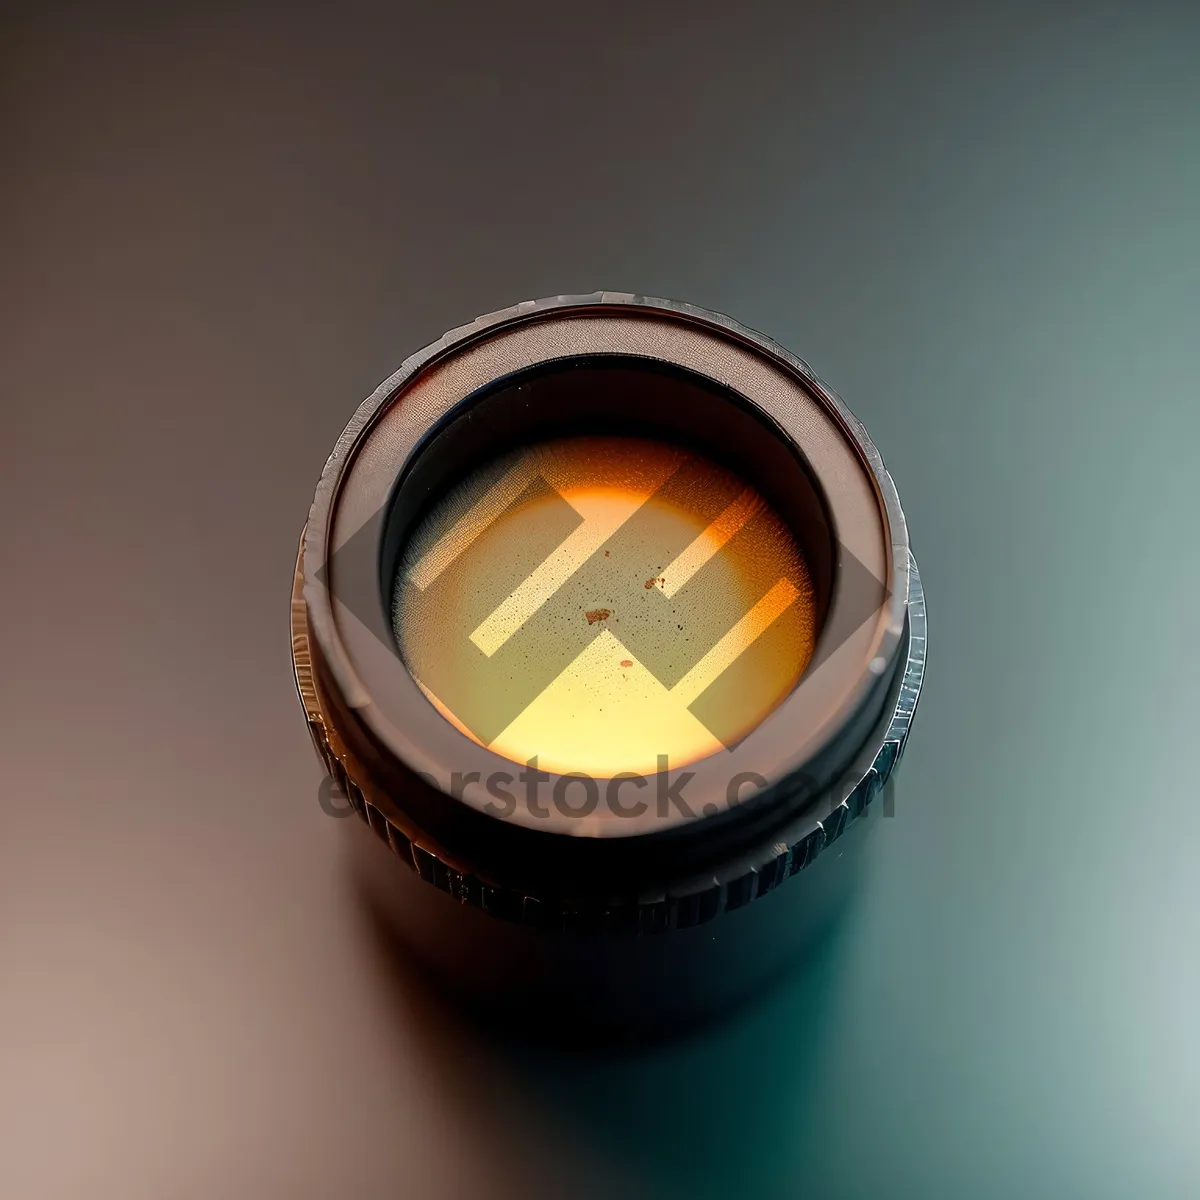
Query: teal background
222 227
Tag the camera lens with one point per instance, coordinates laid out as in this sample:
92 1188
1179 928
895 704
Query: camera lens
606 622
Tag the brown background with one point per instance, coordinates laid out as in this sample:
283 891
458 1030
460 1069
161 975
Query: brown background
222 228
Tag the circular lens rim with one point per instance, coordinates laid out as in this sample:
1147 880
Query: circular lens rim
409 743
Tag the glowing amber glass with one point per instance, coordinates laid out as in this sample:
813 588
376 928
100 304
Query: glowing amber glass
568 540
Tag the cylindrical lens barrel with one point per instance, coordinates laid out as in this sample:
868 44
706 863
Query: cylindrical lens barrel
606 622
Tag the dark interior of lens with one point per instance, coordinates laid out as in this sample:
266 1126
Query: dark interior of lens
620 395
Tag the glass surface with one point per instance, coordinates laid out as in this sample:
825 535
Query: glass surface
573 600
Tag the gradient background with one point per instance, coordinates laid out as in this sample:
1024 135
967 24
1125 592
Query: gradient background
221 229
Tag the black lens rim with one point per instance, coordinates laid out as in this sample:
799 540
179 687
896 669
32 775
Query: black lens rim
450 820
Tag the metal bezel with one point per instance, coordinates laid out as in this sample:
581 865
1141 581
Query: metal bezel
321 615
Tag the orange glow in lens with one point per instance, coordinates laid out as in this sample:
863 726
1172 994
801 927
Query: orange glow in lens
684 600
